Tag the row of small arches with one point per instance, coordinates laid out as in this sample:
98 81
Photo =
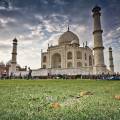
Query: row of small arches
79 55
69 65
70 56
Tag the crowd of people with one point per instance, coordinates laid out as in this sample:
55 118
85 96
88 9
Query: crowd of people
58 76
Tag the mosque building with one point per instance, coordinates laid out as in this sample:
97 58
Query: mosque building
69 57
69 53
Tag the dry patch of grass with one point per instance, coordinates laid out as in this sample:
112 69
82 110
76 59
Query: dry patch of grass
55 105
83 93
117 97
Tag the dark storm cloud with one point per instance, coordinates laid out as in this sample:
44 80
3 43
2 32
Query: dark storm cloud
77 11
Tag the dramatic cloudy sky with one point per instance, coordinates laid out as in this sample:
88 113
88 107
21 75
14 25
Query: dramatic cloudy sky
38 22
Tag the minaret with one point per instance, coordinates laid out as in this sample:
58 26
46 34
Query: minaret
99 66
111 60
14 56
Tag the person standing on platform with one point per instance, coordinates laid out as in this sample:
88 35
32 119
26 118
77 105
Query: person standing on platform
29 73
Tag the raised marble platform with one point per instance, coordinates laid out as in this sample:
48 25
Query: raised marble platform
46 72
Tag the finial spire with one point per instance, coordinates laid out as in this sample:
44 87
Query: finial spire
86 43
68 27
83 44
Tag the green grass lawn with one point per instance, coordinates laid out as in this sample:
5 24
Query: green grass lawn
34 99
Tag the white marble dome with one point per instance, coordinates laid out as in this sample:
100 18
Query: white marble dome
67 38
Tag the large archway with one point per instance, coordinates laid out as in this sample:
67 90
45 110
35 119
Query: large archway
56 60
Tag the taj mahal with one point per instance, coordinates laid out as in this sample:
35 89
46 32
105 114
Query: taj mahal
69 54
69 57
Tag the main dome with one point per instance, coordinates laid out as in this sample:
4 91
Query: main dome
67 38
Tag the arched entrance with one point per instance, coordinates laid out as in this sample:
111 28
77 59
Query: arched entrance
69 65
56 60
79 64
69 55
90 60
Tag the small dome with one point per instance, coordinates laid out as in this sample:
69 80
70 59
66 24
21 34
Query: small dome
110 48
67 38
2 64
96 9
9 62
15 40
